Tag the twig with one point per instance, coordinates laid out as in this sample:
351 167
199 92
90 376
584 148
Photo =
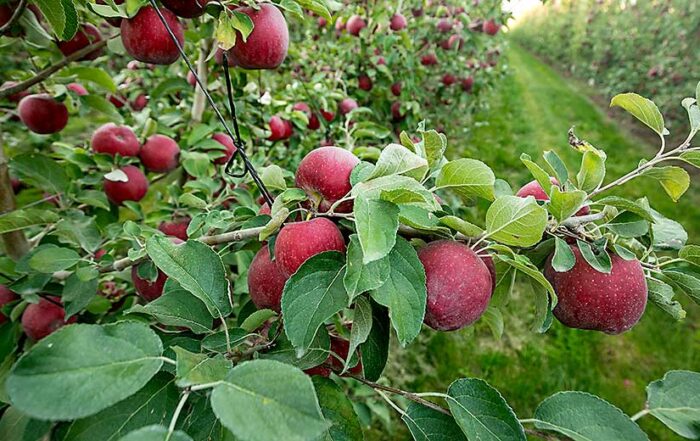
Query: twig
44 74
15 16
408 395
576 221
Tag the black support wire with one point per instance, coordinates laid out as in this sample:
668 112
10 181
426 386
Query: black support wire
240 150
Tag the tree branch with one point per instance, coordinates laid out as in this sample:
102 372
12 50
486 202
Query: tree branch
15 16
408 395
46 73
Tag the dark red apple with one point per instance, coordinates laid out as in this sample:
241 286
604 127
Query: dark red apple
226 141
534 189
42 114
115 140
355 25
86 35
265 281
160 154
266 47
444 25
146 289
6 296
340 347
280 129
365 83
429 60
396 114
186 8
396 89
459 285
314 123
146 39
397 22
299 241
490 27
43 318
467 83
176 227
448 80
134 189
324 174
140 102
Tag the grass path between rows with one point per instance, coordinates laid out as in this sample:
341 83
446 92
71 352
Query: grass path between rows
531 111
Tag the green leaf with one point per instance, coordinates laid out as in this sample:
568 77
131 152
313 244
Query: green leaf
643 109
668 234
692 158
427 424
468 177
197 268
79 230
286 353
557 166
319 7
26 217
564 259
57 378
661 294
40 171
52 258
156 433
359 277
153 404
596 255
276 222
563 204
177 307
626 205
338 410
102 105
493 317
376 222
273 177
93 75
481 411
16 426
242 23
434 146
264 400
540 175
691 106
361 327
675 401
404 292
257 319
462 226
375 351
628 224
396 159
77 294
217 342
585 417
61 15
516 221
195 369
690 253
592 171
674 180
687 283
524 265
313 295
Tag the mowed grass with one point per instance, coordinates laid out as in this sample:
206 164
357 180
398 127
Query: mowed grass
530 112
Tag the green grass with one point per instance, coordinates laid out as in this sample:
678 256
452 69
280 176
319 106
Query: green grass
530 112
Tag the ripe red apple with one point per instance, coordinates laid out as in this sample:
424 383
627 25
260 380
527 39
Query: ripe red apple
176 227
324 174
86 35
140 102
328 116
347 105
314 123
448 80
318 370
160 154
444 25
226 141
365 83
429 60
146 289
396 89
6 296
355 25
133 190
533 188
458 283
397 22
146 39
588 299
116 100
191 80
266 47
43 318
490 27
265 281
280 129
42 114
299 241
186 8
467 83
381 61
341 347
396 114
78 89
115 21
115 140
322 22
418 12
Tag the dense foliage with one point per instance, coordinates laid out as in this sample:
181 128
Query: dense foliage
621 45
177 269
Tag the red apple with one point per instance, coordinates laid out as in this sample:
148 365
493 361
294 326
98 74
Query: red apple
429 60
588 299
365 82
396 114
347 105
266 47
397 22
467 83
42 114
458 282
396 89
355 25
533 188
186 8
43 318
314 123
324 174
15 97
490 27
280 129
140 102
176 227
265 281
146 39
146 289
444 25
226 141
160 154
133 190
115 140
340 347
299 241
328 116
86 35
78 89
448 80
6 296
116 100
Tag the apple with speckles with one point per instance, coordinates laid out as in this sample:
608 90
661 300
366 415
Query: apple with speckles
324 174
113 140
43 318
265 281
266 46
134 189
146 39
299 241
160 154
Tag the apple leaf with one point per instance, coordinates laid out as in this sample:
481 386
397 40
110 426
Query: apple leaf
178 307
592 171
61 15
516 221
359 277
468 177
396 159
338 410
377 222
675 401
661 294
375 351
643 109
426 424
24 218
156 433
674 180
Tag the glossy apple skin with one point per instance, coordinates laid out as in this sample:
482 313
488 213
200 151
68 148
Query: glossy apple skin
6 296
176 227
43 318
534 189
226 141
132 190
324 174
299 241
113 140
355 24
160 154
611 303
458 282
86 35
146 39
186 8
397 22
147 290
265 281
280 129
266 47
42 114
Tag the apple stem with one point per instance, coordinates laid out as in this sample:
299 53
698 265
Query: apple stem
15 242
176 415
